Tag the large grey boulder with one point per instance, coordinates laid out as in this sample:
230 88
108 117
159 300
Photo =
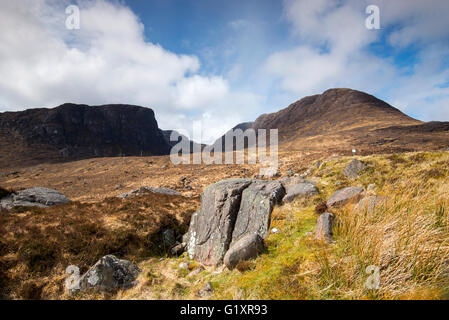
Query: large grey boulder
302 190
323 231
109 274
246 248
211 227
33 197
353 169
146 190
345 196
370 203
258 201
229 210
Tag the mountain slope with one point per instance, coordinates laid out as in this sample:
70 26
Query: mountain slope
73 131
346 118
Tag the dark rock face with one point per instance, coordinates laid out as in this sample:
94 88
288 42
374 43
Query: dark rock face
345 196
73 131
353 169
109 274
33 197
246 248
323 231
300 190
230 209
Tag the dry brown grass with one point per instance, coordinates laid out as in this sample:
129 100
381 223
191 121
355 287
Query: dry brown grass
38 244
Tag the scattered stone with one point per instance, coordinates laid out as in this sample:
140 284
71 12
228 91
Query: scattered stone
33 197
184 265
323 231
246 248
370 203
372 187
353 169
146 190
196 272
317 164
119 187
178 249
206 291
345 196
109 274
300 190
290 173
275 230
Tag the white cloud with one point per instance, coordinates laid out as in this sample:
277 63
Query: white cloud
333 51
106 61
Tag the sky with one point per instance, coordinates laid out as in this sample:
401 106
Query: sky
223 62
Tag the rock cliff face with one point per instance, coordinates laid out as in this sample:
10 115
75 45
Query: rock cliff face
73 131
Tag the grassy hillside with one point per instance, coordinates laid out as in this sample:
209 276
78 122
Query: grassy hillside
408 239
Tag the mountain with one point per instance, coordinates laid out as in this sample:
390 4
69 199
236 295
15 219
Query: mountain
74 131
346 118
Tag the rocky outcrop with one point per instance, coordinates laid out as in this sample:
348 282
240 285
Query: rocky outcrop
75 131
300 190
109 274
345 196
258 201
33 197
246 248
145 190
230 209
353 169
323 231
370 203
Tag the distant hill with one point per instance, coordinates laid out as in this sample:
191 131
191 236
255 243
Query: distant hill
73 131
346 118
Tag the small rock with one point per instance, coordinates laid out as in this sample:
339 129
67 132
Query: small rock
323 231
178 249
184 265
33 197
290 173
275 230
146 190
345 196
206 291
353 169
109 274
300 190
372 187
196 272
246 248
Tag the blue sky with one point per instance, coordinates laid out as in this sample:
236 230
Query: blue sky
223 62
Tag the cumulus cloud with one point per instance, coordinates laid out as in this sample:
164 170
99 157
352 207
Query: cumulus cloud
107 60
333 50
